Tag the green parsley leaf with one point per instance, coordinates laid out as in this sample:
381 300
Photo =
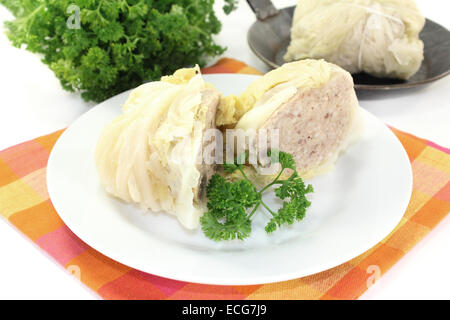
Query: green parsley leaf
286 160
229 6
215 230
226 218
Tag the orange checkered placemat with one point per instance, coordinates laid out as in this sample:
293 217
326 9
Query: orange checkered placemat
25 203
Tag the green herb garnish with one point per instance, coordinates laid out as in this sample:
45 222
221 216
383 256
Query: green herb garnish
231 205
101 48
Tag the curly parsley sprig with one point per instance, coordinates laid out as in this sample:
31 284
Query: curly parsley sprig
231 205
115 45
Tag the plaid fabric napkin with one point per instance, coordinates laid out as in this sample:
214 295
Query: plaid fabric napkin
25 203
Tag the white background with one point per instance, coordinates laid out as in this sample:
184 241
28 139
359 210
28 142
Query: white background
33 104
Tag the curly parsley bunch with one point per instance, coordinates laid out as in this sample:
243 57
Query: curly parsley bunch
101 48
231 205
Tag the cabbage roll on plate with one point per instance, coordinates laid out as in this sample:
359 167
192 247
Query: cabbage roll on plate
149 154
313 105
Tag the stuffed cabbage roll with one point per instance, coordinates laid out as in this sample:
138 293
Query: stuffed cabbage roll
311 103
149 154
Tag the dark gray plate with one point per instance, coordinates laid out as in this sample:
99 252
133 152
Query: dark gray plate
269 37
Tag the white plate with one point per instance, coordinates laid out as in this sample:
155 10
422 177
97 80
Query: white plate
353 208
